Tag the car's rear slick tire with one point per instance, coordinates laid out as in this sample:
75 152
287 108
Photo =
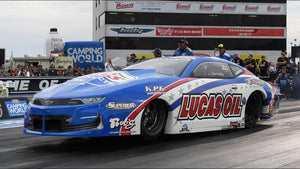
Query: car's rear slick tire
153 120
253 110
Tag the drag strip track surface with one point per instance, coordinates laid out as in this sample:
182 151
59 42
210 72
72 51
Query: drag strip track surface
274 143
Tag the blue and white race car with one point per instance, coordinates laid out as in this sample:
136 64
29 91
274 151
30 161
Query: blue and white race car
165 95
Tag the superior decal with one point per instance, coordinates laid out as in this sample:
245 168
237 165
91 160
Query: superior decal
203 106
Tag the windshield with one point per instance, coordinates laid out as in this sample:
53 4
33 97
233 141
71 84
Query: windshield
170 66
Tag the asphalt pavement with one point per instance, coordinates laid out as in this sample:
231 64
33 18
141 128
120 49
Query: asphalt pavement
271 144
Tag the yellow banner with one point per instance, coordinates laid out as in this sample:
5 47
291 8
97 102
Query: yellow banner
63 61
257 58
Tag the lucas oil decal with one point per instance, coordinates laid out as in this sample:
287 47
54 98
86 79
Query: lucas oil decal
203 106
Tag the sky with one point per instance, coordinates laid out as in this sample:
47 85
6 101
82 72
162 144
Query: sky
25 24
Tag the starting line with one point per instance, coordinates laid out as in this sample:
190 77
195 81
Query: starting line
11 123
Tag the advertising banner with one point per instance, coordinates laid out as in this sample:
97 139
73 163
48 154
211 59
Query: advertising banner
264 32
13 107
197 7
178 31
85 53
33 85
193 31
63 61
16 107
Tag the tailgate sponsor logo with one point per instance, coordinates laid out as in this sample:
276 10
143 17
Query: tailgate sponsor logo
124 30
120 106
203 106
127 123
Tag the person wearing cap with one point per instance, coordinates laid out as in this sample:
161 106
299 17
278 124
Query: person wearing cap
251 64
222 54
132 59
263 67
157 53
238 60
283 81
282 61
182 49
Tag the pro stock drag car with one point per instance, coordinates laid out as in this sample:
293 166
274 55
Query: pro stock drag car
165 95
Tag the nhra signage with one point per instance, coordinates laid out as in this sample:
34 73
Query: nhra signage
86 53
33 85
13 107
16 107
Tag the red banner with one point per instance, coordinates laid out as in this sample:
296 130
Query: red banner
243 32
171 31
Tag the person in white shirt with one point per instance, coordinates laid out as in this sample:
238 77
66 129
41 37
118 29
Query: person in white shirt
109 66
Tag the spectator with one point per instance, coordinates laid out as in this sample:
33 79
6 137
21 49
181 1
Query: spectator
87 70
143 59
132 60
222 54
98 69
183 49
283 82
238 60
10 72
93 69
272 71
251 64
263 67
69 72
282 61
290 67
109 66
157 53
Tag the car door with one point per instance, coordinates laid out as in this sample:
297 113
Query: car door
216 102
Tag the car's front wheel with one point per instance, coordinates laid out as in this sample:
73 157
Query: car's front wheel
153 120
253 110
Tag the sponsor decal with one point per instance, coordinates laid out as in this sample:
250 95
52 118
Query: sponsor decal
127 123
180 6
254 82
203 106
16 108
124 30
124 6
184 128
263 32
155 89
172 31
120 106
273 9
204 7
117 76
230 8
250 8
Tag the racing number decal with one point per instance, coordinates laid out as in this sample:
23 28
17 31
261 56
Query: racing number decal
203 106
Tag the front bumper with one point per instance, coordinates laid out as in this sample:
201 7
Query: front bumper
78 120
